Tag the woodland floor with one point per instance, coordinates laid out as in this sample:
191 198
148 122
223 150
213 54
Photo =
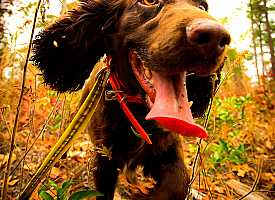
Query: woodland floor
230 176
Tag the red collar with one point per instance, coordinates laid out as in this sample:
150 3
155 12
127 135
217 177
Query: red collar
122 98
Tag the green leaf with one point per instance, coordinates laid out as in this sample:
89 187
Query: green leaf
53 184
84 194
43 187
45 195
223 145
66 184
61 194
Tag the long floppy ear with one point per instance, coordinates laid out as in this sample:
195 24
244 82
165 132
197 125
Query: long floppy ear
67 50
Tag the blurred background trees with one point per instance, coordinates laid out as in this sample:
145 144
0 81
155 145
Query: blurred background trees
4 10
261 15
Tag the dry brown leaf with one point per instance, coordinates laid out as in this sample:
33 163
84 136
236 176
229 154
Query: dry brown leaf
269 144
268 177
55 172
13 182
80 154
10 182
30 166
241 173
4 158
242 170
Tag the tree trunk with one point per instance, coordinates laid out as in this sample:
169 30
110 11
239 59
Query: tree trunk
261 48
262 55
270 43
254 42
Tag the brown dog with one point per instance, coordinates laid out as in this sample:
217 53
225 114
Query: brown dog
161 50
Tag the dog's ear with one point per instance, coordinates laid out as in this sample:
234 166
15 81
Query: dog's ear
67 50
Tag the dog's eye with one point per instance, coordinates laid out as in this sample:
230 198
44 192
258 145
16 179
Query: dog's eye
203 6
149 2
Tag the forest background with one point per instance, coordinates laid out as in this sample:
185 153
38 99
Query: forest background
237 161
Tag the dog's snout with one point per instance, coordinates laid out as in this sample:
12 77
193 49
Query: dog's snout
208 34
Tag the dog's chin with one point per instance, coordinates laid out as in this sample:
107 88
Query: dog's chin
166 98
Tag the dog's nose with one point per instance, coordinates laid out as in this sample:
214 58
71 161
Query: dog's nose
209 35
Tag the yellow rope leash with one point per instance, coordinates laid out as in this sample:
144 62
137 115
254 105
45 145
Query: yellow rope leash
78 124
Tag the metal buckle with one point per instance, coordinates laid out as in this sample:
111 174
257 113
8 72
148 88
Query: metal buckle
111 95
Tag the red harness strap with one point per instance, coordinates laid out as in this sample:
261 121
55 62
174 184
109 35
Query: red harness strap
121 99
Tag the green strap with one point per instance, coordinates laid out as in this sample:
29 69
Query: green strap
78 124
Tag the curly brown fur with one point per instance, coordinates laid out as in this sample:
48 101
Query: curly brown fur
66 51
160 37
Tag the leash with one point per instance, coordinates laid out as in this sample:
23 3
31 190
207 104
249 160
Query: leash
78 124
81 120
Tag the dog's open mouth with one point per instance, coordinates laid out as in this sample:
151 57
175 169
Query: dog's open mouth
167 99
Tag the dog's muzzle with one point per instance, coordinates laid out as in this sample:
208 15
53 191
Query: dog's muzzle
167 99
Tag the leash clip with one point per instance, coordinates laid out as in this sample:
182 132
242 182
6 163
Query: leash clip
111 95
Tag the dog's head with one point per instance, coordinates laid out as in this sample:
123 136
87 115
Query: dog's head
157 46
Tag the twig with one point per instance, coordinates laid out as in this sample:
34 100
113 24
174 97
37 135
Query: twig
5 121
227 192
32 109
62 116
31 132
206 184
267 191
259 171
9 131
193 177
41 131
6 174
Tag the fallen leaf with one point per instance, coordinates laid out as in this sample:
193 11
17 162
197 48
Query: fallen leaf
13 182
268 177
269 144
55 172
30 166
241 173
10 182
241 170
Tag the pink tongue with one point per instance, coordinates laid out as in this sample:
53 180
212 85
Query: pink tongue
171 109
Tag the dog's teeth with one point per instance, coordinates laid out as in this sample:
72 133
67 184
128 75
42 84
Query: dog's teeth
147 73
190 103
